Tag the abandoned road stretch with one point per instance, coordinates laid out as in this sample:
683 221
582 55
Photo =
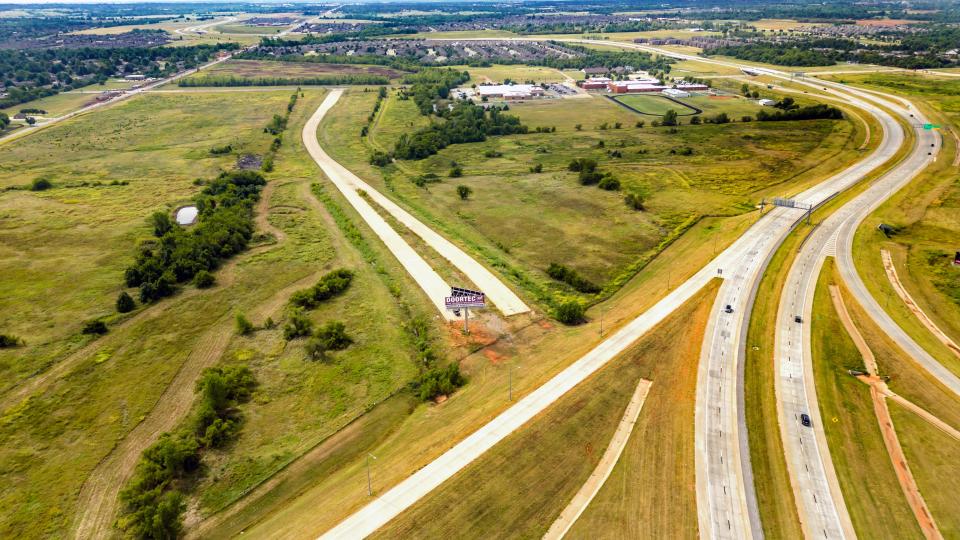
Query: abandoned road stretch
348 183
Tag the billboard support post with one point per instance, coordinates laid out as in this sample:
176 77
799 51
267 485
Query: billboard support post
464 299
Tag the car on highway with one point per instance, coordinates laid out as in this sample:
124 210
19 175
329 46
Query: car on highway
805 419
797 319
728 309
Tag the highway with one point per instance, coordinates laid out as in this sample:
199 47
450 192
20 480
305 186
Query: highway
726 504
348 183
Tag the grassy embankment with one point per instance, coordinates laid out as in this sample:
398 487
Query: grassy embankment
516 489
70 421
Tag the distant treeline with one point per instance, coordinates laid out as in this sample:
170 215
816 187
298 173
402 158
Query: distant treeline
811 112
230 80
395 62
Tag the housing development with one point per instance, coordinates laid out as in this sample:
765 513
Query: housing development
614 269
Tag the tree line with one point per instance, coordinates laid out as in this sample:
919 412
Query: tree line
465 122
333 80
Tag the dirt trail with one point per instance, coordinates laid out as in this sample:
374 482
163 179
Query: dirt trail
98 496
907 483
912 305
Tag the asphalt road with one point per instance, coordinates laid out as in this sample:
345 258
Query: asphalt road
348 183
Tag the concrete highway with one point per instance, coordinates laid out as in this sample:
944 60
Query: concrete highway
726 505
348 183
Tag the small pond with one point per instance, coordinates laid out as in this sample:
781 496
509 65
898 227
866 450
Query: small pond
186 215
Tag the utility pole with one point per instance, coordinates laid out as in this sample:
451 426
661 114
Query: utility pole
510 380
369 486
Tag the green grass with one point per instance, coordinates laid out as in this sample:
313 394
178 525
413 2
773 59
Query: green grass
933 457
55 105
248 29
62 259
517 73
590 229
263 68
867 479
651 490
654 105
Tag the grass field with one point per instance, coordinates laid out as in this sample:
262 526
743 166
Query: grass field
248 29
730 166
866 476
654 105
650 492
261 68
517 73
159 144
55 105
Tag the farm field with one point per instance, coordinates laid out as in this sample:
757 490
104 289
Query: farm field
719 178
493 494
853 435
148 143
252 69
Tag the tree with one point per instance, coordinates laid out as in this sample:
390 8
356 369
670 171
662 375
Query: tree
695 121
578 127
244 326
640 123
669 118
333 336
380 159
456 171
570 312
162 224
316 348
745 89
125 303
464 192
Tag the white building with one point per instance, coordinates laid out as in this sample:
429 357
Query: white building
673 92
509 91
767 102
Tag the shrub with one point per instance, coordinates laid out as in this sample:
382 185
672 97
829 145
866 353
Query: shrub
220 150
299 325
424 179
40 184
330 285
455 172
203 279
95 327
380 159
719 118
438 382
538 168
244 326
609 183
333 336
695 121
570 276
635 199
9 340
464 192
492 154
570 312
640 123
588 178
316 348
125 303
578 127
746 118
669 118
582 164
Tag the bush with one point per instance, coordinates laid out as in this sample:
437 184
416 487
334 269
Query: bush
588 178
640 123
746 118
669 118
203 279
220 150
95 327
380 159
333 336
455 172
464 192
330 285
299 325
695 121
125 303
424 179
582 164
9 340
570 312
40 184
719 118
570 276
438 382
244 326
609 183
492 154
635 199
538 168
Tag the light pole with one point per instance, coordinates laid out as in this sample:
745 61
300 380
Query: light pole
369 486
510 380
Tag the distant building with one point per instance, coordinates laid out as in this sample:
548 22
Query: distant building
595 83
135 77
767 102
510 91
588 71
673 92
692 87
631 87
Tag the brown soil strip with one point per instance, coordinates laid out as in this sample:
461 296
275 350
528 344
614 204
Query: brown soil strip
907 483
912 305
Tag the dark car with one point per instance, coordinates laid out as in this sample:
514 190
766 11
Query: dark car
797 319
805 419
728 309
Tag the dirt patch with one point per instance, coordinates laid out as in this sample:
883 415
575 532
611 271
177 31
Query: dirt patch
249 162
493 356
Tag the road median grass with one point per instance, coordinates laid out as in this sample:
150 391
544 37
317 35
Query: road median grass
867 478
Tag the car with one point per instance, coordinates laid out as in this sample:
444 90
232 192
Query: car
805 419
728 309
797 319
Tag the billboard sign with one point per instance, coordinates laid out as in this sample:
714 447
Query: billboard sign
465 301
